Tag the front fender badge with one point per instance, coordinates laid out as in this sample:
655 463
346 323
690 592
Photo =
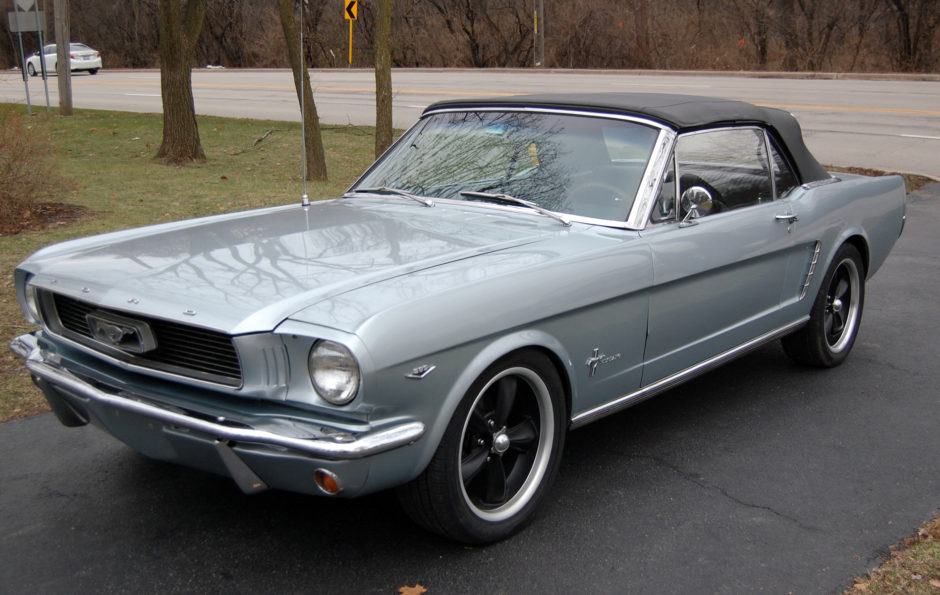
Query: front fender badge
421 372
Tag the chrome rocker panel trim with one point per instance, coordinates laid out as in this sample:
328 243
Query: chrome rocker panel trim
668 382
27 347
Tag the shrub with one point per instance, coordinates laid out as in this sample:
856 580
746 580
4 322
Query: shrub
28 179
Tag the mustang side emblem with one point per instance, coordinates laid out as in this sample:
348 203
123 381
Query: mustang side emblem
599 358
126 334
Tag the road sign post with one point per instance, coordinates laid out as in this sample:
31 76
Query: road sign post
350 13
21 21
15 26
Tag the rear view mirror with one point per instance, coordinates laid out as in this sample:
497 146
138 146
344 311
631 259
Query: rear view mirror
695 202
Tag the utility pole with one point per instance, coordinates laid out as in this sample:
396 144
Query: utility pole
539 19
63 39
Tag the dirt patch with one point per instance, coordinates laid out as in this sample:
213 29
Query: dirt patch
43 215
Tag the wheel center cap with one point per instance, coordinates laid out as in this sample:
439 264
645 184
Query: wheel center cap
837 305
500 443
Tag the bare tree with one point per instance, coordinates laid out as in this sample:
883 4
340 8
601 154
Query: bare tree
916 23
179 30
316 159
641 28
482 30
842 35
383 76
225 37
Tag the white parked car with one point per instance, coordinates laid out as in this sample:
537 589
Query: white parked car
81 57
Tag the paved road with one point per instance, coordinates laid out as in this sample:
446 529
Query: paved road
883 124
761 476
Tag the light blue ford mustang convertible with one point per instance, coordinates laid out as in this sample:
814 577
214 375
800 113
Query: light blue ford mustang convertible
509 270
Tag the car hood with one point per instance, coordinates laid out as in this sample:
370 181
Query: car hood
247 272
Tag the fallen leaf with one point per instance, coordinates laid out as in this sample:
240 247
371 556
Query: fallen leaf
415 590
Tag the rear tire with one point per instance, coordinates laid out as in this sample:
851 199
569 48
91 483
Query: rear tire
499 455
828 337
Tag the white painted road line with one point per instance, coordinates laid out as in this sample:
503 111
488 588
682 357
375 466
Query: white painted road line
920 136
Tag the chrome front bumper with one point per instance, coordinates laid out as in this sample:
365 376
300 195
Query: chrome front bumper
336 447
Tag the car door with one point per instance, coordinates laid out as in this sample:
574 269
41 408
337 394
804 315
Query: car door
50 57
721 246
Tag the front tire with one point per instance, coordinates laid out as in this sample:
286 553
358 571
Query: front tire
828 337
499 455
30 69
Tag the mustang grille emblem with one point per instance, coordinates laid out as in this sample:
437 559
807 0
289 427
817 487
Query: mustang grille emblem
126 334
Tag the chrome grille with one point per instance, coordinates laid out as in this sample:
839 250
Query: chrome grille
181 349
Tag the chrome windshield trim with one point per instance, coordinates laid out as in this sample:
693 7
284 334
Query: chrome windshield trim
550 110
651 175
652 179
668 382
362 445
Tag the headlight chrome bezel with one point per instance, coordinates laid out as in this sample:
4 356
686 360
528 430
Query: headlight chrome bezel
334 372
31 301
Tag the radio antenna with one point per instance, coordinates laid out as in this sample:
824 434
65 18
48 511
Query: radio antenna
304 199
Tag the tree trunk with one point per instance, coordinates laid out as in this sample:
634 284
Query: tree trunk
641 30
62 38
179 32
383 77
316 159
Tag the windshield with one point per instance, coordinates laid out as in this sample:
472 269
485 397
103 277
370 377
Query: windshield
578 165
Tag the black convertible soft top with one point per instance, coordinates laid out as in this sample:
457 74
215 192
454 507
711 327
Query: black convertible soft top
679 112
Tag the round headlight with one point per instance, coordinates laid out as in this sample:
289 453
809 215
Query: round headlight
334 372
32 304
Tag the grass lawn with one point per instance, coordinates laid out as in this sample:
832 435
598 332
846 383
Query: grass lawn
108 157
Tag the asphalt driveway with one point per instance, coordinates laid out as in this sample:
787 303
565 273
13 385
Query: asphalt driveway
762 476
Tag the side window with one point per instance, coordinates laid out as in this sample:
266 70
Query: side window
731 164
784 179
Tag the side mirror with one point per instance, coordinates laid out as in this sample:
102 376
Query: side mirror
696 202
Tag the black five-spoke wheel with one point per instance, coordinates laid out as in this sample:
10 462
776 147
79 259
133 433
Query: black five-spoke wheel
498 456
828 337
504 452
842 305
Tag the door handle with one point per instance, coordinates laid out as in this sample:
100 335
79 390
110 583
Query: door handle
790 218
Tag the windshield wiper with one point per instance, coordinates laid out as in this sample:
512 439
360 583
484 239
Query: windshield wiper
506 198
394 191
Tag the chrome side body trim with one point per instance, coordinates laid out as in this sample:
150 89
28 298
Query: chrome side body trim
361 446
812 269
659 386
